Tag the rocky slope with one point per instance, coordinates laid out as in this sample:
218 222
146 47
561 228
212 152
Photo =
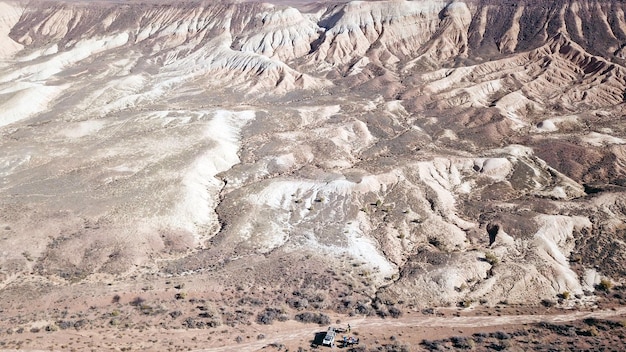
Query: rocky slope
426 152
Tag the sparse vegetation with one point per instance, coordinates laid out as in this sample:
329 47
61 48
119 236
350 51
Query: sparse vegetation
137 301
491 258
466 303
605 285
462 342
267 316
309 317
175 314
395 312
52 328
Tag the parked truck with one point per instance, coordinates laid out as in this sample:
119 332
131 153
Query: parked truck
329 339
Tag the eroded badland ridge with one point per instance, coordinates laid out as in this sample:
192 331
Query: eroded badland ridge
351 157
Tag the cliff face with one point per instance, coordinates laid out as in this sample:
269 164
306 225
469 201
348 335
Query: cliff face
598 26
380 138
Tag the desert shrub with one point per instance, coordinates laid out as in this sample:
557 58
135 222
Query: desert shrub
362 309
175 314
298 302
561 329
462 342
548 303
465 303
309 317
396 348
52 327
137 301
239 316
64 324
382 312
192 323
189 323
251 301
428 311
501 335
358 349
268 316
592 331
146 309
394 312
80 324
591 321
491 258
310 297
502 346
565 295
605 285
206 315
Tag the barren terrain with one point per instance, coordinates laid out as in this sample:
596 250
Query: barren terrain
215 171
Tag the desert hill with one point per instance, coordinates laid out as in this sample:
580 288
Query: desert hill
359 155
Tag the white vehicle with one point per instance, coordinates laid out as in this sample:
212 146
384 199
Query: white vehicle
329 339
